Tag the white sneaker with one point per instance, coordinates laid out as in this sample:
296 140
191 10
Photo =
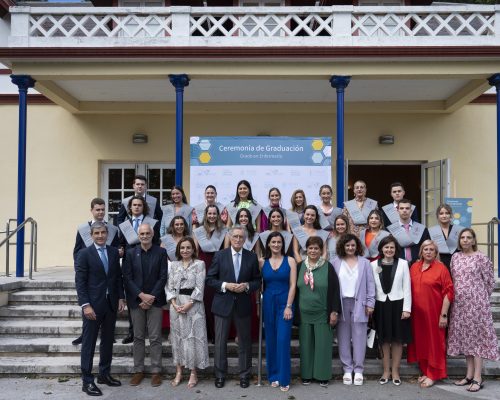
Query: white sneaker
358 379
347 378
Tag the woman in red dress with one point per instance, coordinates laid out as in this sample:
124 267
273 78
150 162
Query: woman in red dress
432 294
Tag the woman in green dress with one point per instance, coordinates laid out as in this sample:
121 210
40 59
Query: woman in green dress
318 300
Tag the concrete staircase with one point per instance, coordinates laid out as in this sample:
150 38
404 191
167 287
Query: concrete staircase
42 318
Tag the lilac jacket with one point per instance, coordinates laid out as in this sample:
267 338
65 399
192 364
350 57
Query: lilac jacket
365 289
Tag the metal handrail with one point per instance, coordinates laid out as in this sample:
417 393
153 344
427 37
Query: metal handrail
490 235
33 244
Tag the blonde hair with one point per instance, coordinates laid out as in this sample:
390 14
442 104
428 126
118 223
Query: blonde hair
426 243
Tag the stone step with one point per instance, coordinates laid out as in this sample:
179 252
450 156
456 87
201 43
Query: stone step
52 327
495 298
121 365
43 297
37 311
48 285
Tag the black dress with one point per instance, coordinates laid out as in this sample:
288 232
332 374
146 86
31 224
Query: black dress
387 316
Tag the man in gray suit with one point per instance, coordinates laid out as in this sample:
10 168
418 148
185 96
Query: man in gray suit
234 275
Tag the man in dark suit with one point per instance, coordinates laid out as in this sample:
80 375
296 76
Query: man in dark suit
140 187
145 273
84 238
99 287
234 275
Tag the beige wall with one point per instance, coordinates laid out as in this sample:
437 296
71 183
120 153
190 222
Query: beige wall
64 152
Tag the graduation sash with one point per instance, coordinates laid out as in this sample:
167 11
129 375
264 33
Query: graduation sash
200 210
332 248
446 246
372 250
149 199
170 245
302 236
209 244
391 212
128 230
360 216
407 239
293 219
169 214
254 209
249 245
326 221
286 235
84 231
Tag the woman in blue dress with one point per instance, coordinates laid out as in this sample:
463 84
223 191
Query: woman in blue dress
279 273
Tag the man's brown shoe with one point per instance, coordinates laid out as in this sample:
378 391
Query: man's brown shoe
156 380
136 378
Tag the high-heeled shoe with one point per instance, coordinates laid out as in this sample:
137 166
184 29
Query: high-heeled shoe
193 381
178 379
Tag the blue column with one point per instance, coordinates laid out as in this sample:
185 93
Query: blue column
23 82
494 80
340 83
179 82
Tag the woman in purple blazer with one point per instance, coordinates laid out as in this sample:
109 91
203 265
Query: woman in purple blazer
357 289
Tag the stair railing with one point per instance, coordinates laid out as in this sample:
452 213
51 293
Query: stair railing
33 243
491 227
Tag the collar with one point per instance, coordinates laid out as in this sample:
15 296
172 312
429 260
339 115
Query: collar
410 223
233 251
99 247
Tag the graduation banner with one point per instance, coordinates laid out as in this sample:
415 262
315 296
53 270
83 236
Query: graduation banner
287 163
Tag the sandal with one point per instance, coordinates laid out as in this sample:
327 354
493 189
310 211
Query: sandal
427 383
421 378
275 384
479 386
193 381
463 382
285 388
178 379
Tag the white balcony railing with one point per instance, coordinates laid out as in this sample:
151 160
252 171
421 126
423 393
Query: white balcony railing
464 25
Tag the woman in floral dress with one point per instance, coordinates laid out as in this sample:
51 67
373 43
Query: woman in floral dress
471 330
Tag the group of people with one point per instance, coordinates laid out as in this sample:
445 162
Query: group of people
319 267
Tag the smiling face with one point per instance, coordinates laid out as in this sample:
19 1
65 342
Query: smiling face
389 250
309 216
313 252
179 226
210 195
274 198
99 236
350 248
275 244
374 221
299 199
212 215
145 234
340 226
244 219
176 196
276 220
326 195
186 251
243 191
429 253
237 238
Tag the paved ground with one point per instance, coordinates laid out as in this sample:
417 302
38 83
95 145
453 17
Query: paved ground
53 389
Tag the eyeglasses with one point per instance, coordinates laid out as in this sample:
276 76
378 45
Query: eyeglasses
238 237
145 234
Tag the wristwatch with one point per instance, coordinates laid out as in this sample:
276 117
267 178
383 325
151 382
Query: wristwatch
444 315
288 306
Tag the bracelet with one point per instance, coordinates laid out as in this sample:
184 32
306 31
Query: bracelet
288 306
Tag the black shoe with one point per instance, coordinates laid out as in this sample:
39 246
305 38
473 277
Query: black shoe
244 383
91 389
306 382
108 380
323 384
219 383
77 341
128 339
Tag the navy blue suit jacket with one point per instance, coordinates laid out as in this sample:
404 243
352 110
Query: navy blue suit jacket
92 282
156 278
222 270
80 244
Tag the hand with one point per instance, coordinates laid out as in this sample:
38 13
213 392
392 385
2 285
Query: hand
121 305
287 314
334 317
144 306
241 287
147 298
443 322
231 286
368 311
88 312
405 315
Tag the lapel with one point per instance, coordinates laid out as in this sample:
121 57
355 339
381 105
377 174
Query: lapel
231 264
393 272
361 272
138 264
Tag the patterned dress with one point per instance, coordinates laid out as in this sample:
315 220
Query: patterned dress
188 331
471 331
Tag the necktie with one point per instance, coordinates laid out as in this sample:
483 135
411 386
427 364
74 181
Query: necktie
407 250
236 265
136 224
104 259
